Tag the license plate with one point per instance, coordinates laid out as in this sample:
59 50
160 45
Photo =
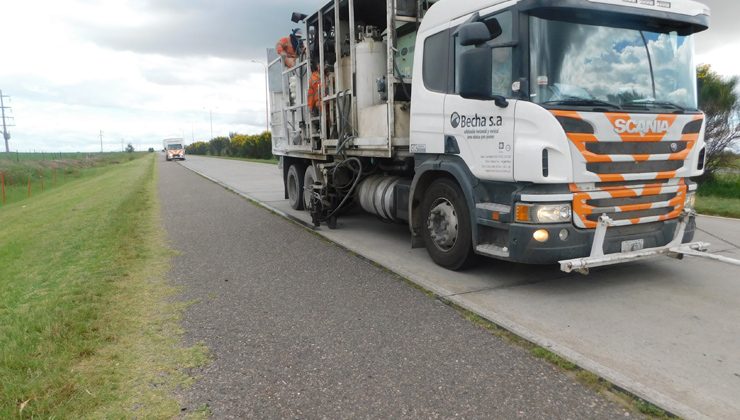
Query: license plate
636 245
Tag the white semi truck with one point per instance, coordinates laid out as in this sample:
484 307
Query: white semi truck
173 149
535 131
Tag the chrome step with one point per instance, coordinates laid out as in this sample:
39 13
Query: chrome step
492 250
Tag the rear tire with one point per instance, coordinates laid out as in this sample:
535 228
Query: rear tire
294 183
308 179
446 226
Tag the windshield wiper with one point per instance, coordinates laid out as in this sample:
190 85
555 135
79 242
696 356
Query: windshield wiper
655 104
582 102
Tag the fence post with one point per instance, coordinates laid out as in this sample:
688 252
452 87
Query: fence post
2 181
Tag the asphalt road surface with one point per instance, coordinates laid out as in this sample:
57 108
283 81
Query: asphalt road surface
300 328
666 330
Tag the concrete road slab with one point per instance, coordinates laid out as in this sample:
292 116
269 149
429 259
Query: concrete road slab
666 330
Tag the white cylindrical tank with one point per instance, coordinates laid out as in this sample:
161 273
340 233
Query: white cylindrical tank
371 65
293 88
376 195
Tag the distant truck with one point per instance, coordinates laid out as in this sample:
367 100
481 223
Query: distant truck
173 149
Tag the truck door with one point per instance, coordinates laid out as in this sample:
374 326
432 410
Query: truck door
483 131
431 79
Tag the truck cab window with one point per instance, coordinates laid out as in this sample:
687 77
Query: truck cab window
436 52
502 56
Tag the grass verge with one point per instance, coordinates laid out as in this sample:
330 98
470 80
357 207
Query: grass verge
87 324
720 196
718 206
48 171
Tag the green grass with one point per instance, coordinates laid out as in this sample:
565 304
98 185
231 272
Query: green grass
721 185
718 206
720 196
44 174
88 327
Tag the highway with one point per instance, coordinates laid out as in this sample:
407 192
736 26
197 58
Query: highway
297 327
663 329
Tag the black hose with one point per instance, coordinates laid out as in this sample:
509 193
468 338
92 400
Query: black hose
351 191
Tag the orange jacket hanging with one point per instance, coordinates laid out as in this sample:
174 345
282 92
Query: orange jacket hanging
285 49
314 90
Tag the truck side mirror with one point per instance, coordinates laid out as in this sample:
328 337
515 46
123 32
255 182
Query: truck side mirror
473 33
476 75
298 17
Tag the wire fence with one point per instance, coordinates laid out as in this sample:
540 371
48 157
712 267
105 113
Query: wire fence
24 156
23 175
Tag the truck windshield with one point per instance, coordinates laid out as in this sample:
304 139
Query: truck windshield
575 65
174 146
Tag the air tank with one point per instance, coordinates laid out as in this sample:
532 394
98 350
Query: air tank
377 195
371 65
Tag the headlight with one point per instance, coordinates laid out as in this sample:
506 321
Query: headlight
690 201
543 213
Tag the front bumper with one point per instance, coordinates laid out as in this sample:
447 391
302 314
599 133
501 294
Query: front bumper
523 248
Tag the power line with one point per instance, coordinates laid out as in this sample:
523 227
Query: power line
5 119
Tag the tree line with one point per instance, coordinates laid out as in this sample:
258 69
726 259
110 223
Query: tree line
257 146
719 99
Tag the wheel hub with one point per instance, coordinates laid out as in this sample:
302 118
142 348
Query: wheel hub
443 224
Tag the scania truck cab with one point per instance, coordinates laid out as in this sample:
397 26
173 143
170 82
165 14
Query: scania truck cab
535 131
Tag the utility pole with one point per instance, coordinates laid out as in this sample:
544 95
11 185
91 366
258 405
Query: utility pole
6 123
101 141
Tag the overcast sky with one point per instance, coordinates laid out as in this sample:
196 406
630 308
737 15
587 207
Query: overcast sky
144 70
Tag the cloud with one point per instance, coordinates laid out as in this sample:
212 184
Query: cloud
722 26
200 28
143 70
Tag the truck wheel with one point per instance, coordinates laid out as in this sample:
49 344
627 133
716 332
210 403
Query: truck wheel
308 179
446 225
295 187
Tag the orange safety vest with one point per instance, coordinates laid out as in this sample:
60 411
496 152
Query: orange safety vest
285 49
314 90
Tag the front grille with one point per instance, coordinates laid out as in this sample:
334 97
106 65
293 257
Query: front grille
627 201
634 167
629 205
637 148
628 215
627 184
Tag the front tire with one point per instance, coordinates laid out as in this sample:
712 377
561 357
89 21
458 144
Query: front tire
294 183
447 229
